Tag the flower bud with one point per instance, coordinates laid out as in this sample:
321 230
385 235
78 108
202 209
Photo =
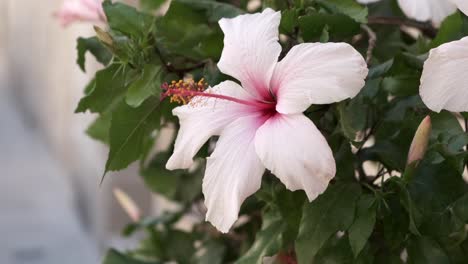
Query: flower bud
103 36
127 204
420 141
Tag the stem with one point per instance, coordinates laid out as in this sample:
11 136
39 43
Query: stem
372 41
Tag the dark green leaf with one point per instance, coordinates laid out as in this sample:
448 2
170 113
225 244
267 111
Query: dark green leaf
126 19
130 128
108 90
453 28
289 21
99 129
95 47
347 7
363 225
331 212
185 31
338 26
148 84
267 241
214 10
423 250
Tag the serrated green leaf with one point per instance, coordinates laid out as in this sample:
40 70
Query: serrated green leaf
126 19
146 85
331 212
108 90
92 45
130 129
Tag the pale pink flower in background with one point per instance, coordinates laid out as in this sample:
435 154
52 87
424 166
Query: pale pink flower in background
428 10
81 11
444 81
261 123
462 5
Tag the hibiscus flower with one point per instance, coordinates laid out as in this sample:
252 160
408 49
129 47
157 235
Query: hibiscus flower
428 10
81 11
444 81
261 122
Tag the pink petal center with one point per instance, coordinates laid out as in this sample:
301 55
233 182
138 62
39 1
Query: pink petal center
183 92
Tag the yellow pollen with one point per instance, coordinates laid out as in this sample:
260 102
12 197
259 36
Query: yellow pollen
182 91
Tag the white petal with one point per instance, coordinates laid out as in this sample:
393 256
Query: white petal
203 118
427 10
294 150
233 172
317 73
251 50
462 5
444 81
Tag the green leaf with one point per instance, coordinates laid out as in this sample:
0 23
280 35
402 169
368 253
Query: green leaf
423 250
95 47
460 208
126 19
214 10
106 91
186 31
115 257
267 241
148 84
402 78
363 225
99 129
289 20
151 4
337 26
130 129
453 28
347 7
336 251
331 212
179 246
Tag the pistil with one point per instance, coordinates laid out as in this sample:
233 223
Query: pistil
183 91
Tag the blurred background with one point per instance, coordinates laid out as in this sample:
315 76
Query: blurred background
52 209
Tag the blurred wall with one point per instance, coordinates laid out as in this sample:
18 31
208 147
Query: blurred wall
47 84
